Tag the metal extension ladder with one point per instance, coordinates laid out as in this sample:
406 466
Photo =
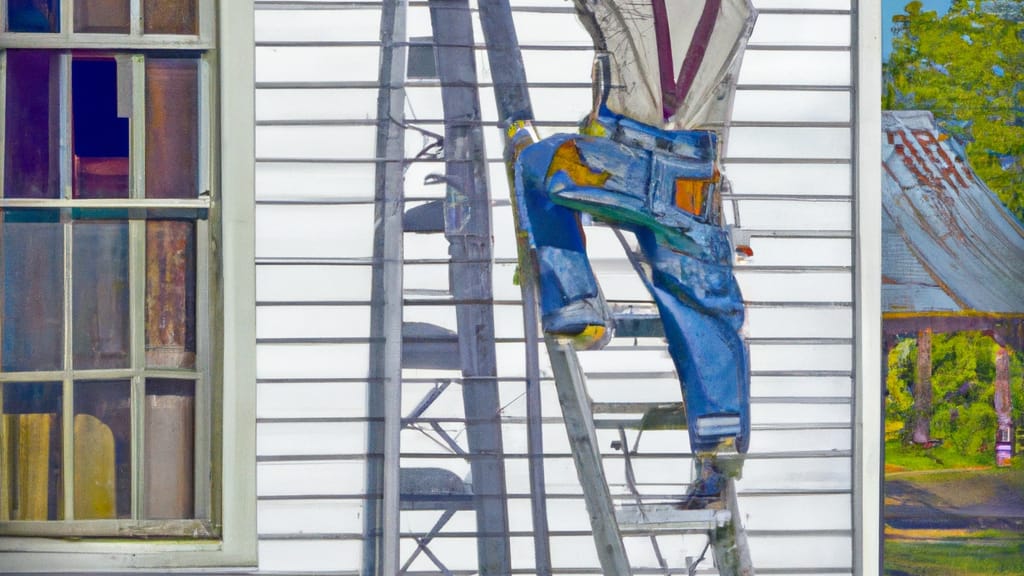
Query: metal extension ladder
721 523
722 526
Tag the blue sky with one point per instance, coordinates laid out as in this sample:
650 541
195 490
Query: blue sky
892 7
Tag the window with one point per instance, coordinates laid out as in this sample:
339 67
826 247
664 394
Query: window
105 340
117 396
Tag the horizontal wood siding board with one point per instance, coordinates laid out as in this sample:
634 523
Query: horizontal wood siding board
791 162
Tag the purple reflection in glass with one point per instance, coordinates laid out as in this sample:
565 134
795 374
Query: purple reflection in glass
32 125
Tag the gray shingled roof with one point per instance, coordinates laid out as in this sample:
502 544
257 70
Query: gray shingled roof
948 245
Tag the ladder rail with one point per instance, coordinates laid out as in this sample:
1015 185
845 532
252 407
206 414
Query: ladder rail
724 528
579 424
729 542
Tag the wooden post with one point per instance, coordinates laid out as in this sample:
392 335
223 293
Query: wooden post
1003 405
923 388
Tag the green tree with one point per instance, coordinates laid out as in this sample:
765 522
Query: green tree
963 373
899 381
961 362
967 67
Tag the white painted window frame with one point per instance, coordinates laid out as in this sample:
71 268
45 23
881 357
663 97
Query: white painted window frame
867 495
232 168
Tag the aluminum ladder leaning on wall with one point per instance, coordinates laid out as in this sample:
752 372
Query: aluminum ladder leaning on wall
721 522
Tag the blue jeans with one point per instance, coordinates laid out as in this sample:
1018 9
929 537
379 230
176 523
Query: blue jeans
630 177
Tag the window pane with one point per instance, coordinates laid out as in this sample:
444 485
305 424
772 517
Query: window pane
103 462
169 16
170 416
170 294
31 451
31 156
172 128
101 137
33 15
31 279
111 16
100 295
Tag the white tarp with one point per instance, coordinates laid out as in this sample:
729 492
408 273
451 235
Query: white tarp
673 63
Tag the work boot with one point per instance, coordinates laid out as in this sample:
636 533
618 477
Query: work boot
706 489
585 322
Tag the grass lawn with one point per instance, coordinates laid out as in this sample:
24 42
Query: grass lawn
901 457
966 487
997 494
972 557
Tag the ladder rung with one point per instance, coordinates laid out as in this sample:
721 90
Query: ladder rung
646 518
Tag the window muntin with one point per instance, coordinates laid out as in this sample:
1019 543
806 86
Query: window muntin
104 368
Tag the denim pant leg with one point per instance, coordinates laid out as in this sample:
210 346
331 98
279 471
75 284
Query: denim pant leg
702 314
554 233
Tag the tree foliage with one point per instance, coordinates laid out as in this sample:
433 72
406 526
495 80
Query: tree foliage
899 383
967 67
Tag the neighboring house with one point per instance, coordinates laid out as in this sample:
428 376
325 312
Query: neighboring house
952 255
286 334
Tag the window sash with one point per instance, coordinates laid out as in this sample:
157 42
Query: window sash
138 374
67 38
137 210
137 154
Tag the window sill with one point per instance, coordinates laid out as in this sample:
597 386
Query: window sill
76 529
104 555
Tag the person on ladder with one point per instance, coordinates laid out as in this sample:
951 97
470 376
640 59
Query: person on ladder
647 160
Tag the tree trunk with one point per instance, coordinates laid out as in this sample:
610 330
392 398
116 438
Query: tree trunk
1004 418
923 388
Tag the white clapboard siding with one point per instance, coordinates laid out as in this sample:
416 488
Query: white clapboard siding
790 159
